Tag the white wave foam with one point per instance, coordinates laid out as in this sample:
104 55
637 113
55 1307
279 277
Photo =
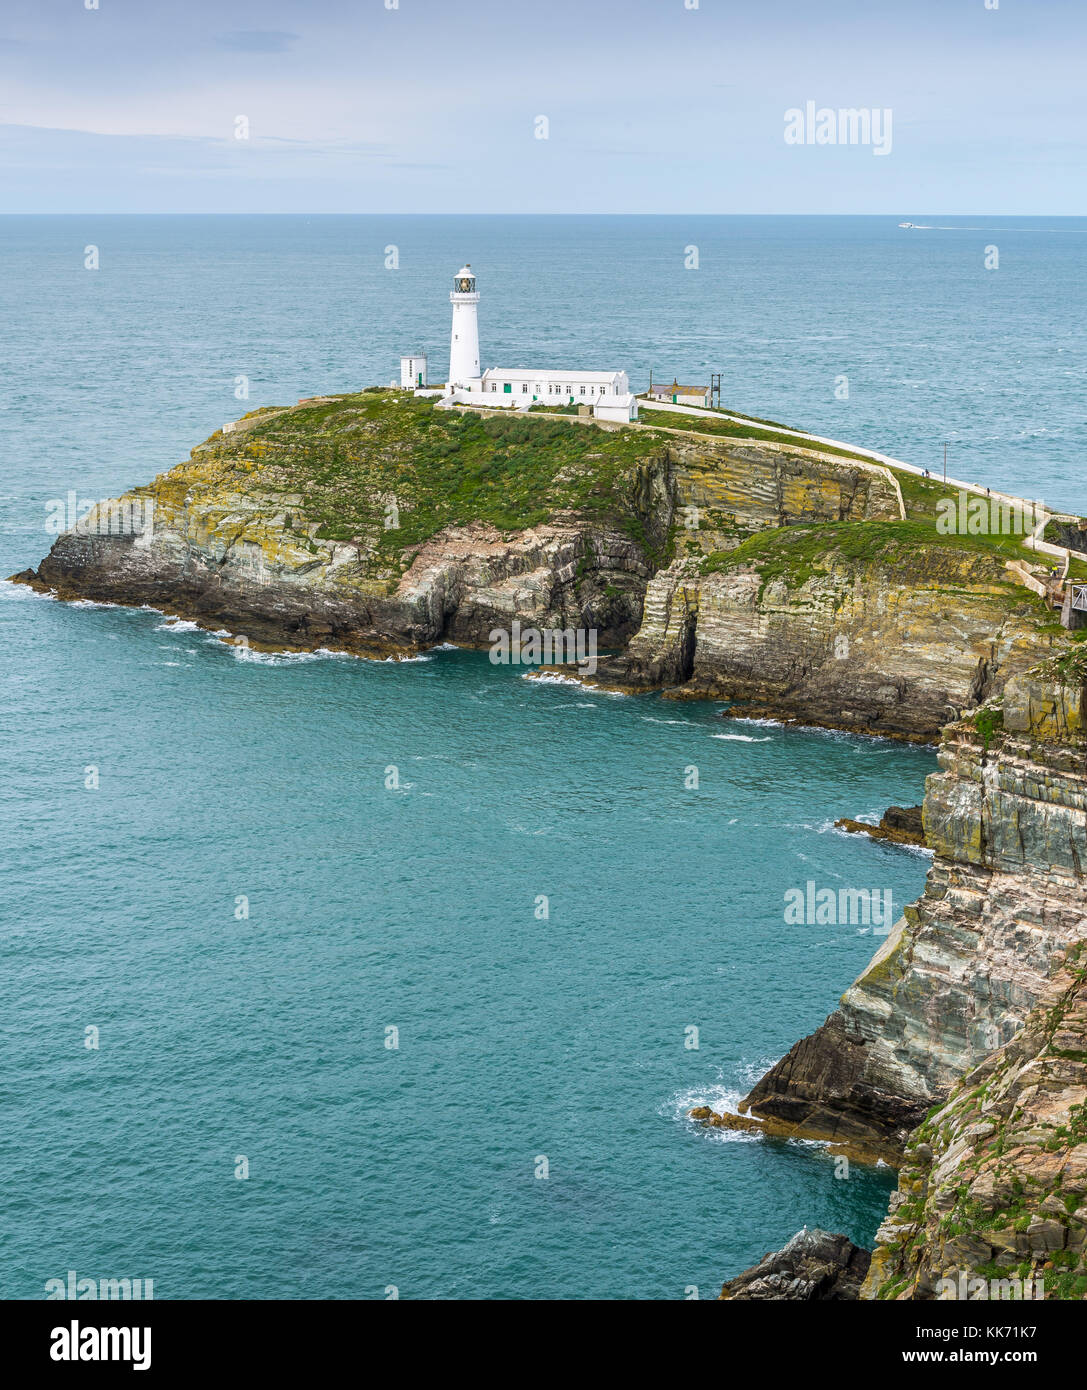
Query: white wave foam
721 1099
722 1096
558 679
177 625
274 658
553 680
17 592
741 738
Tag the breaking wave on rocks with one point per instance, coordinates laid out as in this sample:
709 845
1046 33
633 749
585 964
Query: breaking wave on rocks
177 625
546 678
723 1097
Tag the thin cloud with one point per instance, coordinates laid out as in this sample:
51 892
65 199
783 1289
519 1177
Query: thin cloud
257 41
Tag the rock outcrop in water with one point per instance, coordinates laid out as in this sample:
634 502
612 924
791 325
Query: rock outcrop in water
374 523
813 1267
1004 899
899 825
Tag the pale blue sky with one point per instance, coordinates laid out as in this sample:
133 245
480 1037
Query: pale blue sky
430 106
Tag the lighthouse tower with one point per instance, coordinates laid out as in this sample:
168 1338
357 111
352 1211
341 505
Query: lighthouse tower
464 344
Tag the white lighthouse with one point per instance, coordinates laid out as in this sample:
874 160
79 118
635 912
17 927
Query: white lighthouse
464 344
604 394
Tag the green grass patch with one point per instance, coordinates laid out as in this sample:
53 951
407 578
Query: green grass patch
350 458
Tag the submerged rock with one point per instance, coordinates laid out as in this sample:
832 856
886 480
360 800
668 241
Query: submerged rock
814 1266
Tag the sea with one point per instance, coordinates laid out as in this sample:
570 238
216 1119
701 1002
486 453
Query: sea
334 978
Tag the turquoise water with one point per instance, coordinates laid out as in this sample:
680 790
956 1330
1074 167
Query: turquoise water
415 907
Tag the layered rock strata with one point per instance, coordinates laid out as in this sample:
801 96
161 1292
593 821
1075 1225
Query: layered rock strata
370 524
992 1196
1005 898
898 640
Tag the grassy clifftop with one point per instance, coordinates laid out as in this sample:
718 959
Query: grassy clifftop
384 467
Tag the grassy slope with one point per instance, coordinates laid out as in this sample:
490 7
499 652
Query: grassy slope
348 457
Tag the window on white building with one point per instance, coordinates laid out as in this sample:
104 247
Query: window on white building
524 385
583 390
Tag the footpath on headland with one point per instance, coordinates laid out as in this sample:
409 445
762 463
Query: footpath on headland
1056 590
1033 542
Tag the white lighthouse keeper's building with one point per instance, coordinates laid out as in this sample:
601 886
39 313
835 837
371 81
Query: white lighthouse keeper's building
519 388
522 386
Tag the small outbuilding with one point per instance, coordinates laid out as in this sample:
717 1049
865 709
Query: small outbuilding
623 408
680 395
413 370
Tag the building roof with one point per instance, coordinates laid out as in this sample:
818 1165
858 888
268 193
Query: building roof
550 373
675 386
623 402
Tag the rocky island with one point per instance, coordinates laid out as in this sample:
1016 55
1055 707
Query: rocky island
724 559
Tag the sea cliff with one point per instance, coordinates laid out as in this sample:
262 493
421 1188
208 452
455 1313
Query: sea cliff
960 1054
993 1187
1004 899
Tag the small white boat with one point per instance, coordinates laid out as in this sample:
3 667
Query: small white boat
907 224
